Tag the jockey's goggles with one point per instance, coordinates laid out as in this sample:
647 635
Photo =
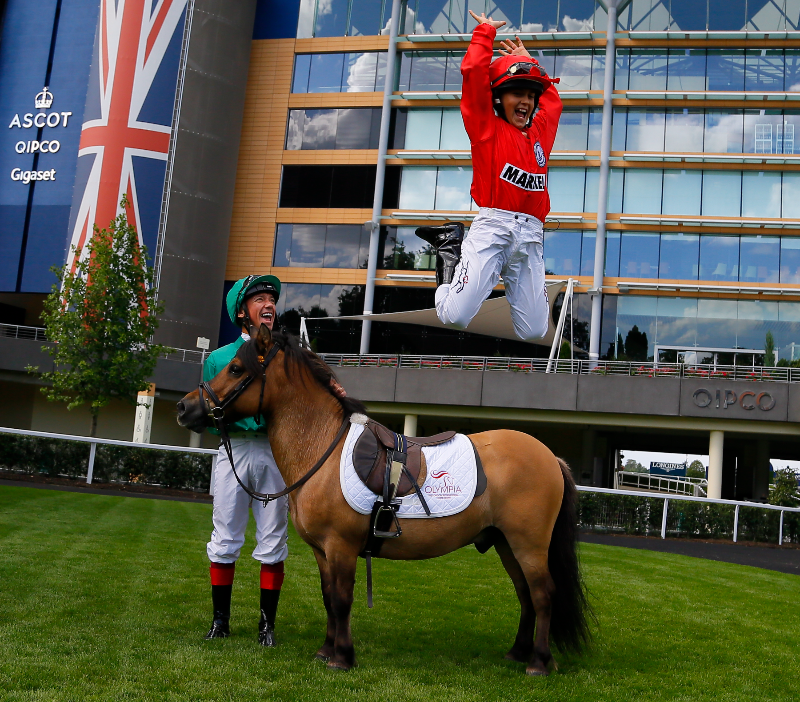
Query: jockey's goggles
522 68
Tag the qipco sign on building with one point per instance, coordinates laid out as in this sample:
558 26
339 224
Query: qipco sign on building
33 124
735 400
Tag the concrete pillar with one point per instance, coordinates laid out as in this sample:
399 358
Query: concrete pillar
195 440
410 425
716 443
144 415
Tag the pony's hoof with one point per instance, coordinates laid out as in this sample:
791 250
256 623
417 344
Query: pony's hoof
536 670
338 665
321 655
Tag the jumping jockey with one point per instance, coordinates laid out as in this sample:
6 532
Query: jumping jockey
511 142
250 302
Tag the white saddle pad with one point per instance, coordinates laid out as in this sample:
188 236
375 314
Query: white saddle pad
449 486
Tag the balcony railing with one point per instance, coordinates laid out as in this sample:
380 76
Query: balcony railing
577 367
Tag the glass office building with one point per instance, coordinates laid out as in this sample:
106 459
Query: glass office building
702 232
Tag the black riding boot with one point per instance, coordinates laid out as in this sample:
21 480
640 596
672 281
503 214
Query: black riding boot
266 625
221 599
446 239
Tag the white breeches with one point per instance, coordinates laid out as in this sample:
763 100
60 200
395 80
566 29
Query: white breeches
499 243
256 467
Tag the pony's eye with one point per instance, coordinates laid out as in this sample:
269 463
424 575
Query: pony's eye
235 370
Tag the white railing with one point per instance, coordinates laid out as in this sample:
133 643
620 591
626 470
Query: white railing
109 442
646 369
688 498
661 483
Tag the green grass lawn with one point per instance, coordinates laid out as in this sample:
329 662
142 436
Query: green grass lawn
107 598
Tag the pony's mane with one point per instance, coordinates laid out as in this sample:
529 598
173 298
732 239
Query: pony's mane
295 357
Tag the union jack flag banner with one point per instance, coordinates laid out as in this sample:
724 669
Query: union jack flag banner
128 117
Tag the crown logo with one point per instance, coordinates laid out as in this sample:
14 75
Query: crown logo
44 99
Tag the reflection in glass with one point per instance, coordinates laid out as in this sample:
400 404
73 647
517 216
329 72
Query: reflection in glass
342 245
687 69
645 130
790 190
573 128
636 326
726 15
331 18
308 244
689 15
430 17
574 67
615 182
765 17
764 69
677 322
723 132
454 136
428 70
791 59
622 69
562 252
648 69
587 252
642 190
354 128
722 194
359 73
319 129
639 255
648 16
576 15
452 188
765 133
453 71
719 258
566 189
417 188
761 194
760 257
790 259
403 250
612 254
680 256
365 18
282 252
302 65
325 75
684 130
422 129
595 129
791 127
682 191
294 130
539 16
619 124
725 69
404 73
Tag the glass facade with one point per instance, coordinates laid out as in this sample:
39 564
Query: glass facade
355 128
339 72
321 246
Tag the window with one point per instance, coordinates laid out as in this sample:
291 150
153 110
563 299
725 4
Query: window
719 258
648 69
639 255
328 186
614 200
562 252
723 133
321 246
587 252
764 70
339 72
725 69
418 188
645 130
682 191
404 250
331 19
790 260
423 128
576 15
726 15
539 16
452 189
612 254
429 188
679 257
642 190
365 18
722 193
686 69
790 191
454 135
761 194
566 189
574 67
760 257
573 131
684 131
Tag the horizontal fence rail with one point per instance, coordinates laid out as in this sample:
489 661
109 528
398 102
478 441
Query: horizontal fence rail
93 441
648 369
661 483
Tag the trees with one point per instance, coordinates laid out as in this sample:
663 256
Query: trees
696 469
101 319
769 350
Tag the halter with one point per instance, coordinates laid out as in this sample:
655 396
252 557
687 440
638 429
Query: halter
217 416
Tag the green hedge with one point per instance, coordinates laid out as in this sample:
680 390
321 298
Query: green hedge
623 514
118 464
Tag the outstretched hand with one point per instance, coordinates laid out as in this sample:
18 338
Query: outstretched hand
483 19
509 48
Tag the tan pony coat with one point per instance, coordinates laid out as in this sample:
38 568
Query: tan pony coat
517 512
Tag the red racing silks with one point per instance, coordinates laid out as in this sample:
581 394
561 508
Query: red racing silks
509 171
271 576
222 573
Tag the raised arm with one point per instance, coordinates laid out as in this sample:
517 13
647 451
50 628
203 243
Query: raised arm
476 94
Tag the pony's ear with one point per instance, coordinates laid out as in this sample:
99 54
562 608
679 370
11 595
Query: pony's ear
263 338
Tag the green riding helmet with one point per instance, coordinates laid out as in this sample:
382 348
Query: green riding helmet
244 288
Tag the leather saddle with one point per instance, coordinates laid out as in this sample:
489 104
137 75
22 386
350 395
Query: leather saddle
370 457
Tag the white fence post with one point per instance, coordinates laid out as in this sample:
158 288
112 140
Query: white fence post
780 531
664 519
90 470
736 524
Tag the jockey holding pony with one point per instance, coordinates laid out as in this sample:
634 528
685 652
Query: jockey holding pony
511 142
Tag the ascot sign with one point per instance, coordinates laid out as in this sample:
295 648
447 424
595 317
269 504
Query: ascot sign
40 120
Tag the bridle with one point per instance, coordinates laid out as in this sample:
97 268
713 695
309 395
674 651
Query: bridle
217 416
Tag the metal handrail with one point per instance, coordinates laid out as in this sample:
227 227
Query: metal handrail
689 498
675 486
110 442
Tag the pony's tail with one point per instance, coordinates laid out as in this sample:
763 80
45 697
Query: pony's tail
569 625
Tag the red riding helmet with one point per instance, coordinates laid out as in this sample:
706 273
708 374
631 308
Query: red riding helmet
517 71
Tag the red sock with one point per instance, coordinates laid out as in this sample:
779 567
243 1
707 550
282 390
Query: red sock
222 573
271 576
